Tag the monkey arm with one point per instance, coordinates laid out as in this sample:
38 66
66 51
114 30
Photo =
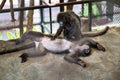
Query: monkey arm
73 58
60 29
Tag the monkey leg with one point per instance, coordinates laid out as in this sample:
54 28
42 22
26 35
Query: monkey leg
40 51
23 57
73 59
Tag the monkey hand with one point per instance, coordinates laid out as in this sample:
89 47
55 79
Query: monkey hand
53 38
100 47
81 63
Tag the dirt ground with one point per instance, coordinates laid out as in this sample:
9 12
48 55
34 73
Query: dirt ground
100 65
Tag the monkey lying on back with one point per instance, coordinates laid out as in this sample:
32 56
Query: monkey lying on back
74 49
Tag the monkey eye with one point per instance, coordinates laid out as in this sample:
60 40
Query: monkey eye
87 50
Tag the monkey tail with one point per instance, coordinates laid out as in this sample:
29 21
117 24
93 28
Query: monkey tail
18 48
94 34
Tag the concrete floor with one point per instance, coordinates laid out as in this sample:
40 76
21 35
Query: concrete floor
100 65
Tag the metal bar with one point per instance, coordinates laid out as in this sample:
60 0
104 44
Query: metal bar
50 14
42 17
47 6
61 7
82 9
89 15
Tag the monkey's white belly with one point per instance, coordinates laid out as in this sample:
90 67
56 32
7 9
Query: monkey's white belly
57 45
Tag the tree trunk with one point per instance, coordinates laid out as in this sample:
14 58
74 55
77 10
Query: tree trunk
30 17
21 16
70 7
12 11
2 4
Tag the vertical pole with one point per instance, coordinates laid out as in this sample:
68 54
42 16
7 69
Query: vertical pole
42 17
12 11
61 7
50 13
90 15
2 4
21 17
82 9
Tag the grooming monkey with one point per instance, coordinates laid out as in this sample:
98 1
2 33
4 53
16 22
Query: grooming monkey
59 46
70 24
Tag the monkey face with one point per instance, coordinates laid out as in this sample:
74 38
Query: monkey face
63 16
84 51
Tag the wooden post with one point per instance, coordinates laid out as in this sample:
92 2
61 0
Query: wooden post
30 17
12 11
90 15
2 4
21 17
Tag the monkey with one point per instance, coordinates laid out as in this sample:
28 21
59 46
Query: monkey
73 49
70 24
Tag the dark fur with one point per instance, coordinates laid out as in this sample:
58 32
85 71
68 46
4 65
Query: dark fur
70 24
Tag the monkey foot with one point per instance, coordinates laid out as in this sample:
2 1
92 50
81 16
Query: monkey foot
23 57
100 47
81 63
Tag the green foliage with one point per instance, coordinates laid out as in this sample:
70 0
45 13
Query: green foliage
95 10
13 35
10 35
85 10
0 35
35 28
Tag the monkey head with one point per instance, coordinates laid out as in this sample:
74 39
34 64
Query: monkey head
84 51
63 17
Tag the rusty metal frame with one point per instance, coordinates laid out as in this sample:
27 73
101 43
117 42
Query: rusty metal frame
60 5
